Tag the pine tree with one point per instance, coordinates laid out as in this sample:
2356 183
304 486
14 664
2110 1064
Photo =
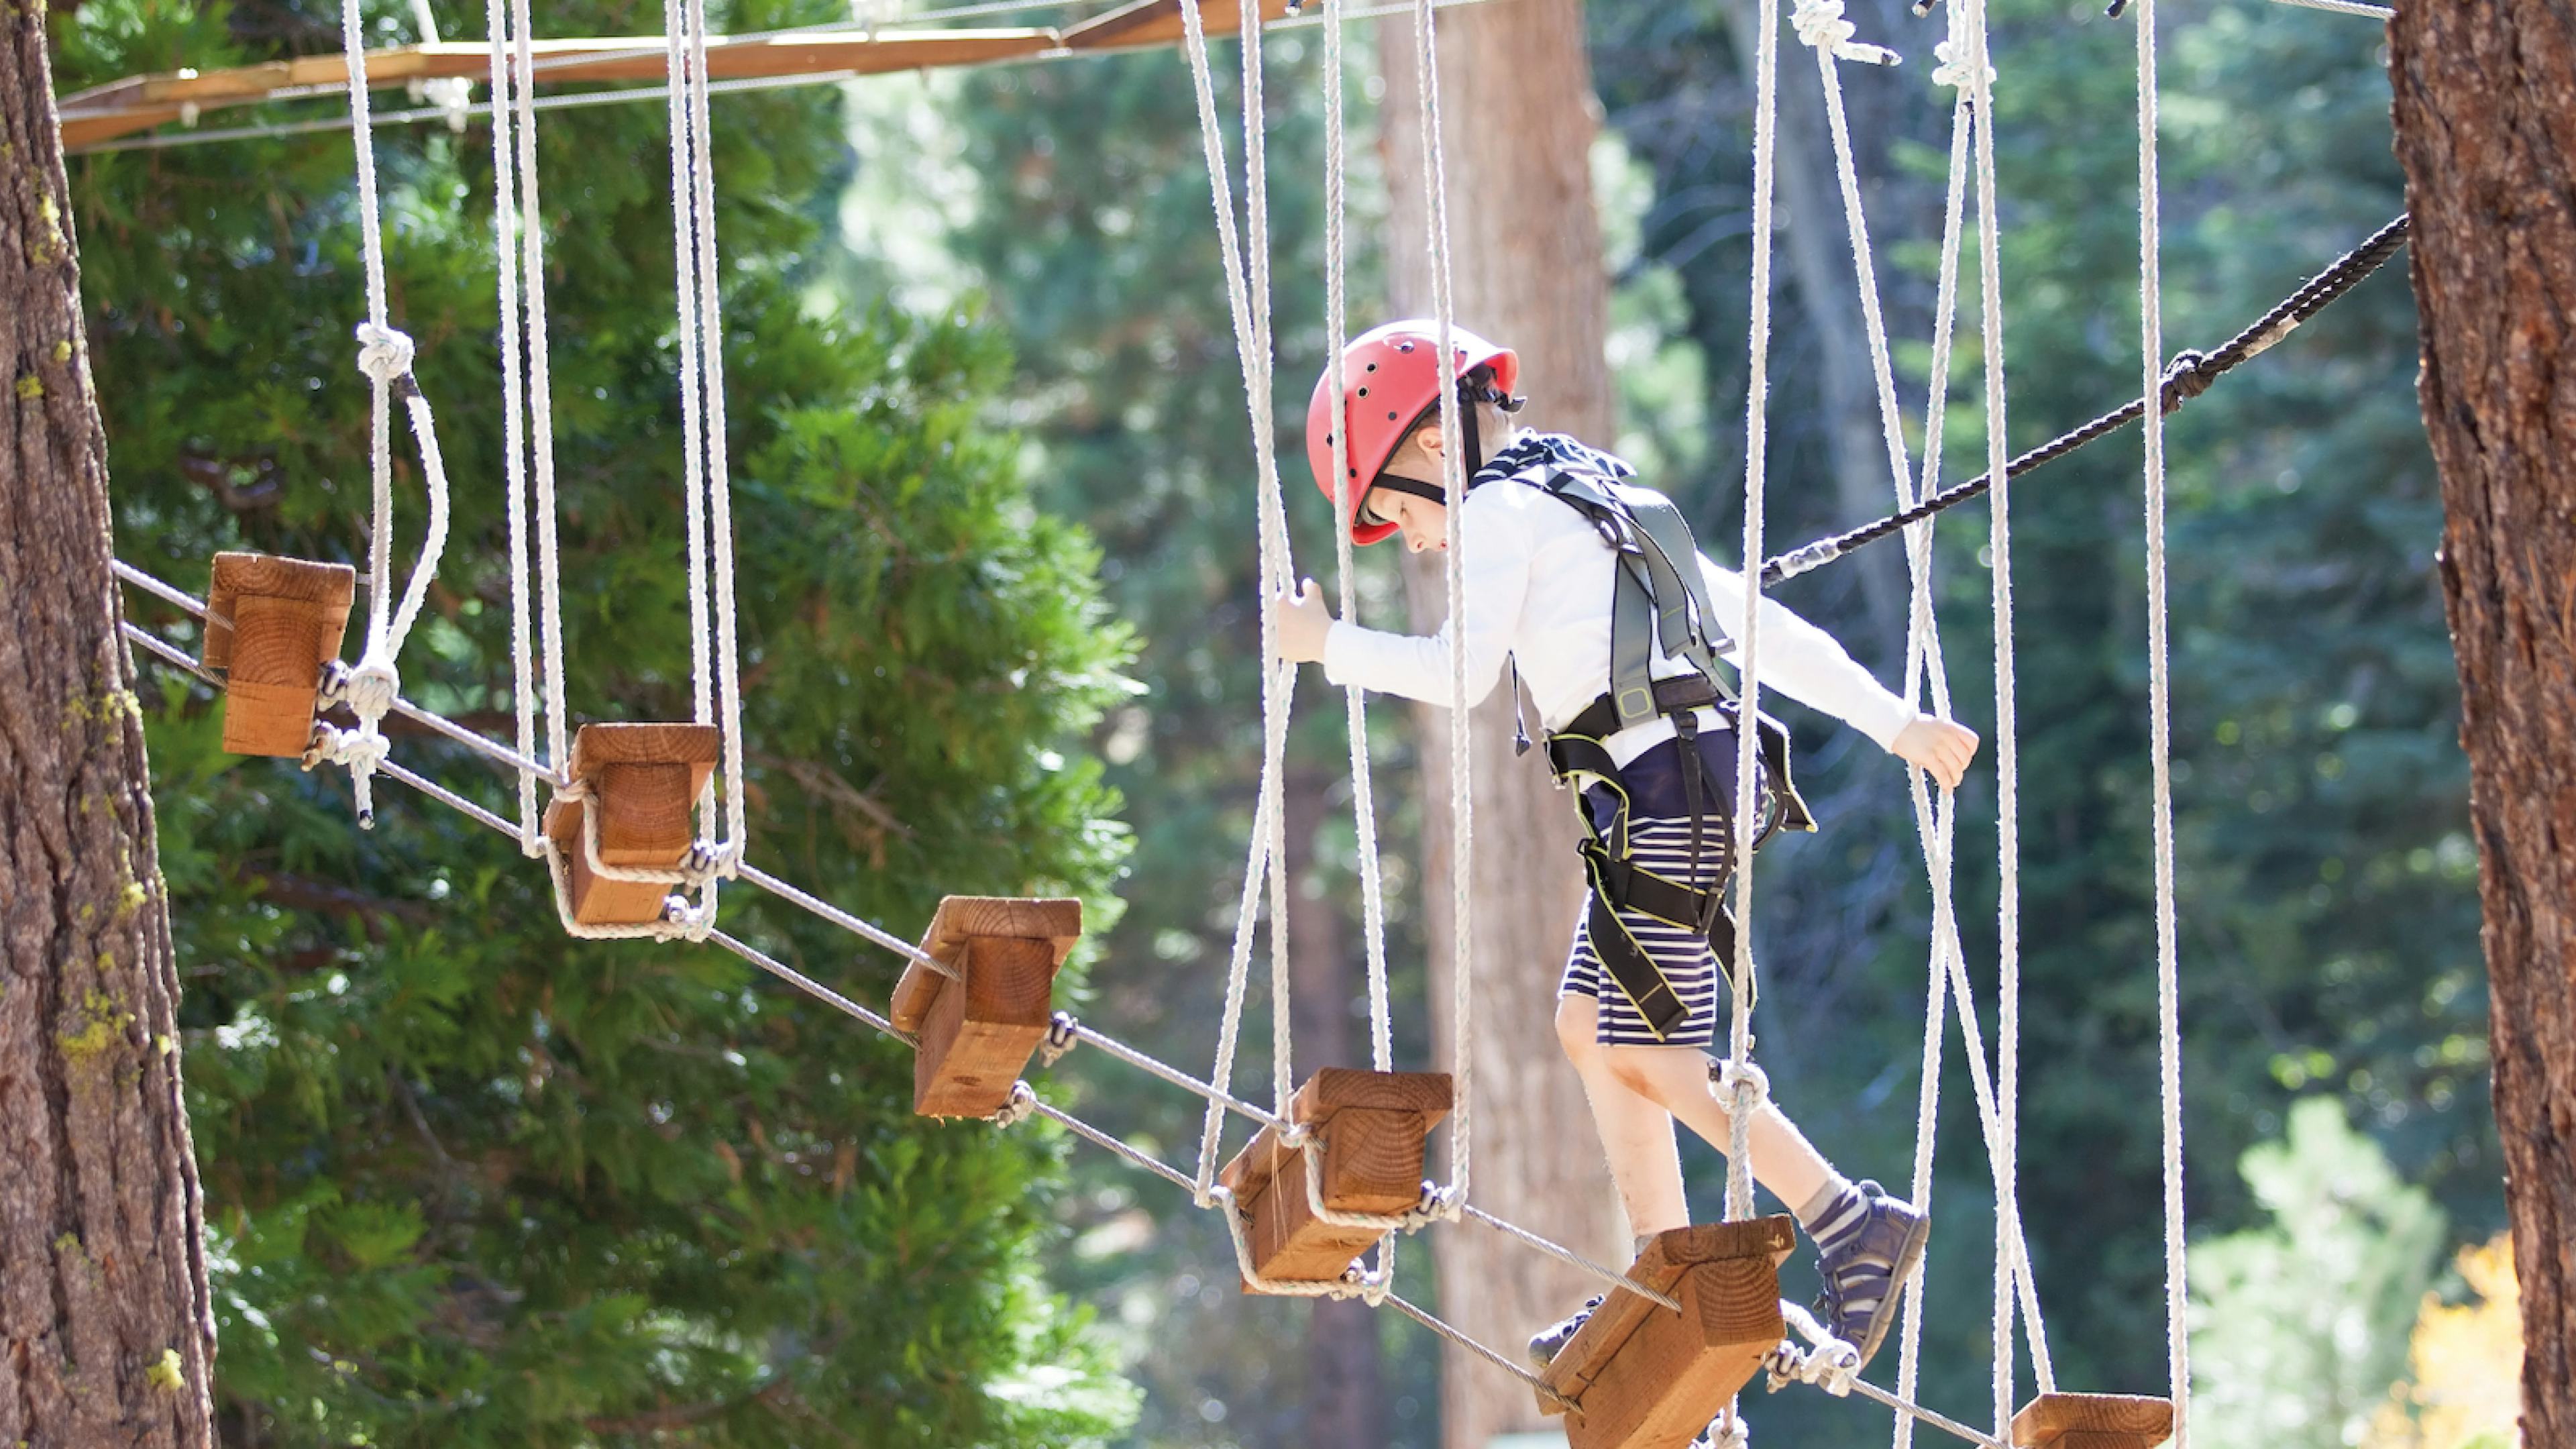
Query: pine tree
470 1183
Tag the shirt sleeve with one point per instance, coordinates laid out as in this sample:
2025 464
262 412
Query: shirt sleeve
1806 663
1498 546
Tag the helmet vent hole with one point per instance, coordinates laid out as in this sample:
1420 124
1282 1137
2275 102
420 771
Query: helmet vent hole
1364 392
1404 347
1390 417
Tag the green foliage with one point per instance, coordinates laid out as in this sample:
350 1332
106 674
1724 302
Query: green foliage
2299 1326
468 1182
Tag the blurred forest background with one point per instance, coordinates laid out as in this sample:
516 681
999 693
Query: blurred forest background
468 1184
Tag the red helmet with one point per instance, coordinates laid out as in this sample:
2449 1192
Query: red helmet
1390 377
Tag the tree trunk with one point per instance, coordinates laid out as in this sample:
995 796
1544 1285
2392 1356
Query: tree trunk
2486 129
1344 1395
106 1327
1518 118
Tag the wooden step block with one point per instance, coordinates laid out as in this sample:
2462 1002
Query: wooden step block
645 779
977 1034
1373 1124
2093 1421
1641 1376
281 620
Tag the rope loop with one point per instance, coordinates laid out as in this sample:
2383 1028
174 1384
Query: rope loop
688 922
384 352
1063 1030
1727 1431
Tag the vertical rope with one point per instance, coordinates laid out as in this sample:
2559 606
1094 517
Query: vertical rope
1453 477
541 409
1336 336
1766 102
1277 574
684 260
1922 655
719 476
1276 678
2159 714
505 249
371 235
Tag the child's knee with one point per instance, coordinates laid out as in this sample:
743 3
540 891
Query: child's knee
1634 1069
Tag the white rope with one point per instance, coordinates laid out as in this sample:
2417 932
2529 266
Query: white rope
1972 61
1336 336
2347 7
1766 103
2160 731
506 261
541 408
1453 477
1251 330
709 318
385 356
1923 656
1278 571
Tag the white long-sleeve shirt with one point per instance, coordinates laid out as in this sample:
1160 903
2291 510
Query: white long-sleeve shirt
1538 588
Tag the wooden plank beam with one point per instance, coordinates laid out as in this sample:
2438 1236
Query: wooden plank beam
644 780
273 623
142 102
1159 22
1641 1376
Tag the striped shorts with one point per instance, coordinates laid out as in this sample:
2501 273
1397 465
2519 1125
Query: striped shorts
1662 846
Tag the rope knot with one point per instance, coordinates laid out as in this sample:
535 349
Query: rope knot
1821 26
384 353
1955 70
362 750
1744 1083
371 689
2186 377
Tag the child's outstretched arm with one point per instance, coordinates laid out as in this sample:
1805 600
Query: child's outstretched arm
1810 666
1415 666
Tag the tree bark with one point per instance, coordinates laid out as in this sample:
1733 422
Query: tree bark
1518 116
1344 1398
106 1326
2486 129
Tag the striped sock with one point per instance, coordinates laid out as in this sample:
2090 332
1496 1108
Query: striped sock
1835 1213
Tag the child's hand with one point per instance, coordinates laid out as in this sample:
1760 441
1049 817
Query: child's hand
1937 745
1302 622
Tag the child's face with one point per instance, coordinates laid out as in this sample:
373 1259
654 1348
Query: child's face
1423 524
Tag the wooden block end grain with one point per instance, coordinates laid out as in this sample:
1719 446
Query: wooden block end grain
1640 1376
1369 1131
644 781
981 1031
273 623
2093 1421
960 919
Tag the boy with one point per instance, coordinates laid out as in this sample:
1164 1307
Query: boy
1591 586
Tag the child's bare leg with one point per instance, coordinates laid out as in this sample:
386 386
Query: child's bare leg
1676 1080
1636 1131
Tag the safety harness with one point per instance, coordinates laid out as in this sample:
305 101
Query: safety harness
1659 606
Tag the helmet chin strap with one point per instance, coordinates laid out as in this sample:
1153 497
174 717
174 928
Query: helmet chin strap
1472 390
